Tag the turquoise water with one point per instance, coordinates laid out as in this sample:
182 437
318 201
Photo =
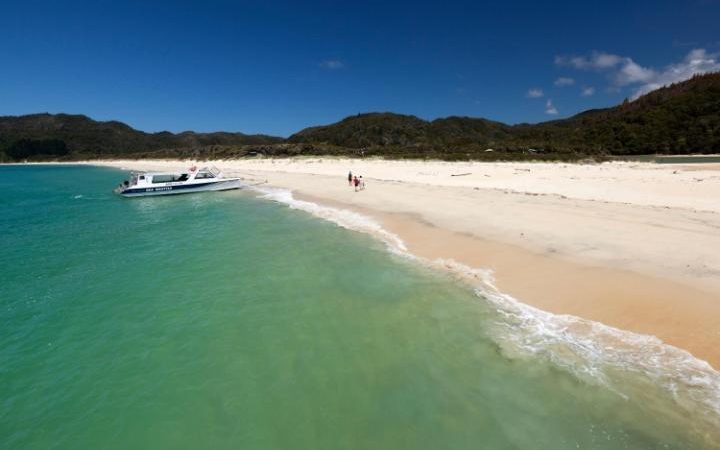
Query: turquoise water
224 320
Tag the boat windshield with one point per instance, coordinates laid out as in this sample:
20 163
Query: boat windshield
168 178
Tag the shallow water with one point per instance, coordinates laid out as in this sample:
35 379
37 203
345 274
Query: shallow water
225 320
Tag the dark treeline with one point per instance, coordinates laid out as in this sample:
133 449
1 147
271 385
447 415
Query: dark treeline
683 118
28 148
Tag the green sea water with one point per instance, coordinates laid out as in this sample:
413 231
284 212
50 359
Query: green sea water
228 321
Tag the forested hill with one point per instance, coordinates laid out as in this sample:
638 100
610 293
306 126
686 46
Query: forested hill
681 118
678 119
388 129
48 135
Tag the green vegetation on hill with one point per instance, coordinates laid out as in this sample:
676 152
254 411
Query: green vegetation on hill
42 136
28 148
680 119
388 130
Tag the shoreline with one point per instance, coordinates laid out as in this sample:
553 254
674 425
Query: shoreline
643 294
631 301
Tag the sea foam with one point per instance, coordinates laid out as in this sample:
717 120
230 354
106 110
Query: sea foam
628 363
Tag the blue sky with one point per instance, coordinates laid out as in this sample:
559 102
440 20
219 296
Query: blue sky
277 67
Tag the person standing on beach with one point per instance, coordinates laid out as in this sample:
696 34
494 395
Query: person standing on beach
362 183
350 179
356 182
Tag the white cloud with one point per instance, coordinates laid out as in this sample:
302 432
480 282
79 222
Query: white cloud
332 64
632 73
624 71
550 108
587 91
696 62
535 93
564 81
596 61
605 60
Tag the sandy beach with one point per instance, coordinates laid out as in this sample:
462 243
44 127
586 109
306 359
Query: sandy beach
631 245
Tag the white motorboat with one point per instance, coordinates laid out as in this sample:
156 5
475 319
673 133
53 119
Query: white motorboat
143 184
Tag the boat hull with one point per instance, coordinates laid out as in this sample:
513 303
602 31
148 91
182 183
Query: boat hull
182 188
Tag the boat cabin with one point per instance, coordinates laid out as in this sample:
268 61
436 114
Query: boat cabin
150 178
